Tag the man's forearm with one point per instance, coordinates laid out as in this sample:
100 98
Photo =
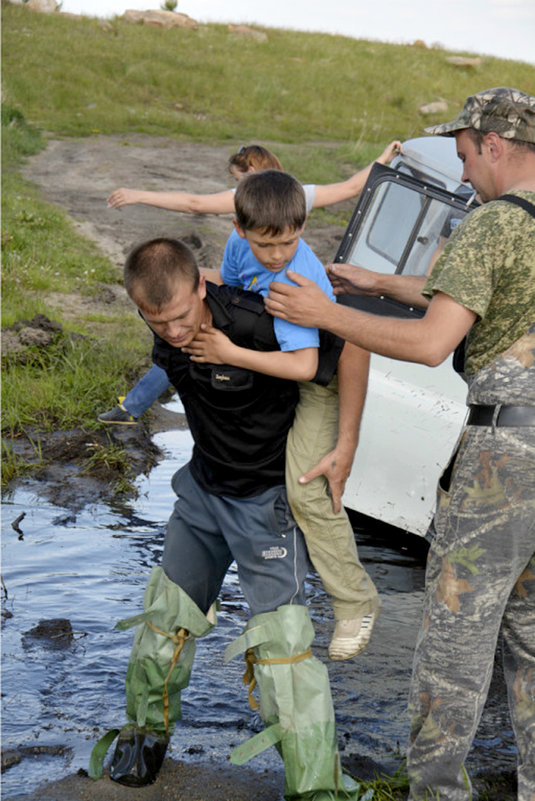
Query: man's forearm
408 340
428 340
403 288
353 368
357 280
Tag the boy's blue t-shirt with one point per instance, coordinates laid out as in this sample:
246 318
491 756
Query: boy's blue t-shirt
240 268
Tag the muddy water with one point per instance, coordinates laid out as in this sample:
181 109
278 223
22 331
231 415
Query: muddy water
60 694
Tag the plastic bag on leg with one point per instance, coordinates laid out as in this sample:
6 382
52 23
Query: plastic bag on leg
159 668
295 704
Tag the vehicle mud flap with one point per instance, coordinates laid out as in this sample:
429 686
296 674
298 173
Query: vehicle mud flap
160 661
295 704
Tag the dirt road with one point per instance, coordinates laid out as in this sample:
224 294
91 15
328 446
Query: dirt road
78 175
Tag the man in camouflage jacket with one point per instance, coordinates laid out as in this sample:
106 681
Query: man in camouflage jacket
480 580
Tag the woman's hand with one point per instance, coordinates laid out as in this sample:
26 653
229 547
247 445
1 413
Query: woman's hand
390 151
121 197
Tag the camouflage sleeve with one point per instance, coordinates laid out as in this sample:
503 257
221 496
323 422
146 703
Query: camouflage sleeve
465 269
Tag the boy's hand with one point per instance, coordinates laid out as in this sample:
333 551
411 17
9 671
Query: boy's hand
336 471
305 304
210 346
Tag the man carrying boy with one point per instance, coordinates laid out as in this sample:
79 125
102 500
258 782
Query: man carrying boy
231 505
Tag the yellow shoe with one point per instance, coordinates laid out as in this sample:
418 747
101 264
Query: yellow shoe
117 416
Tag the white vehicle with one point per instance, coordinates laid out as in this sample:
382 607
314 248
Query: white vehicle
413 414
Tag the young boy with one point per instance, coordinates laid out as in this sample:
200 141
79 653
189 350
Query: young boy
270 218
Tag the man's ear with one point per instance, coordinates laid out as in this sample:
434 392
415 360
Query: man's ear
202 287
240 231
495 145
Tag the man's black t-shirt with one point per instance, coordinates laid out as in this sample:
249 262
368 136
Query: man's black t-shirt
239 419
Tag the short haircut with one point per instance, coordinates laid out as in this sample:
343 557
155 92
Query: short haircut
154 269
516 144
255 157
271 202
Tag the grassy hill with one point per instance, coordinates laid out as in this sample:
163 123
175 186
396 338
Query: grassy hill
340 99
75 76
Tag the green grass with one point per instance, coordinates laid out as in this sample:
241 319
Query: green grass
385 788
95 356
66 383
112 459
212 84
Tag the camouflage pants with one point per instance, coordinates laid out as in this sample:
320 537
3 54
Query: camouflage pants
480 583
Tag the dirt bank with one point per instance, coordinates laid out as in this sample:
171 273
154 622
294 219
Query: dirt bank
177 782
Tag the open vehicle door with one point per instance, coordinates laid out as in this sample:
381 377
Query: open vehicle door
413 413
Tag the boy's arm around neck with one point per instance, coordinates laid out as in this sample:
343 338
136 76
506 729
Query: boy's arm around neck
294 365
212 346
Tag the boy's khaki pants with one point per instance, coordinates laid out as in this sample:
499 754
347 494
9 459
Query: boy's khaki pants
329 537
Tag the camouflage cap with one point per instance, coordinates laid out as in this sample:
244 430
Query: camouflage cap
508 112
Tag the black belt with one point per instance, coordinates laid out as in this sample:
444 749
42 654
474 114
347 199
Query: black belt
501 415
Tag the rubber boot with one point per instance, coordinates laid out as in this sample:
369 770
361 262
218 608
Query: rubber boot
138 756
159 668
295 704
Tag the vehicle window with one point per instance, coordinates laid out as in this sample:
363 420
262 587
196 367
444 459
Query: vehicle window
399 224
392 203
